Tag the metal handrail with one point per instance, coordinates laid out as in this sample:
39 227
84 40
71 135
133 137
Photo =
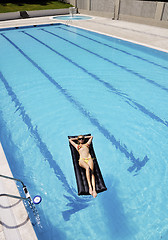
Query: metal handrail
28 198
15 179
13 196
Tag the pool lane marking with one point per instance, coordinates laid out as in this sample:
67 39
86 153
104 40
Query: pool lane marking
112 62
115 48
106 84
34 132
137 163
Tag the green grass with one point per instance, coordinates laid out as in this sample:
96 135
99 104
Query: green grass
14 7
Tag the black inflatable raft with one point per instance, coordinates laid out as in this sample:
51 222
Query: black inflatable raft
80 172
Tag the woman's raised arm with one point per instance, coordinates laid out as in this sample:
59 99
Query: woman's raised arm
90 139
71 140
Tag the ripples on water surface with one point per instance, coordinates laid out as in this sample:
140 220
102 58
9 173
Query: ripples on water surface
57 81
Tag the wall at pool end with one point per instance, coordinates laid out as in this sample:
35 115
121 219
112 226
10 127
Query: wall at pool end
39 13
138 11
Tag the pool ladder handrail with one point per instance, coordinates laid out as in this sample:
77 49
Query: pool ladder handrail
28 198
72 12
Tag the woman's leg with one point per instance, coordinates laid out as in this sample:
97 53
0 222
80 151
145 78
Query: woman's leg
86 167
91 165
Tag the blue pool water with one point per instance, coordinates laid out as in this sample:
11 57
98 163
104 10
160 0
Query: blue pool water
80 17
59 80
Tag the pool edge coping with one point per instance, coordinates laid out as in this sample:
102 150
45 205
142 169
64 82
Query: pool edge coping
14 219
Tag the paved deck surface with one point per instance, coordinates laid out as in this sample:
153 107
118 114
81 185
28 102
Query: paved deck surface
151 36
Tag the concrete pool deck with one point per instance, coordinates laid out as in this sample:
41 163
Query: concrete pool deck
15 224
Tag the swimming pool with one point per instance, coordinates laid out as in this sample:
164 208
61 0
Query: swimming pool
60 80
80 17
